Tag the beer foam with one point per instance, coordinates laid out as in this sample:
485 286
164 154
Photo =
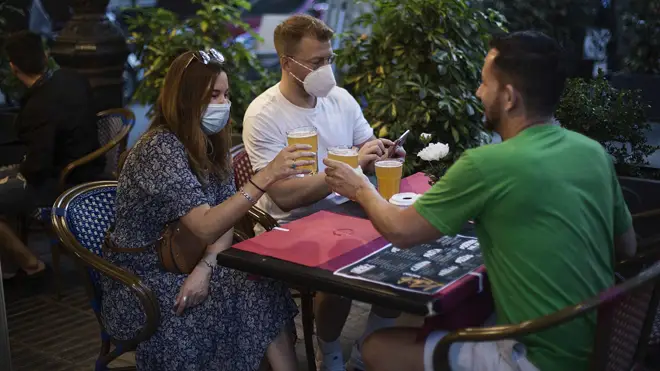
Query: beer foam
343 151
301 134
389 163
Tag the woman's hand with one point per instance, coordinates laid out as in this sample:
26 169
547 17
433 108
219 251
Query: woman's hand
287 163
194 290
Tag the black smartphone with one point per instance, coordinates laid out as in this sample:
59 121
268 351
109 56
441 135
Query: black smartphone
397 143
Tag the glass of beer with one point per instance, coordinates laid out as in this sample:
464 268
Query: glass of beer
305 135
345 154
388 173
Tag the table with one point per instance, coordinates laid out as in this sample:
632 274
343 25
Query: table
324 279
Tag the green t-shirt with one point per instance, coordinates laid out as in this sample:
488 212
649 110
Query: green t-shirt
547 205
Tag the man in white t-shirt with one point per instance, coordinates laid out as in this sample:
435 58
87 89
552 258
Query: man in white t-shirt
307 96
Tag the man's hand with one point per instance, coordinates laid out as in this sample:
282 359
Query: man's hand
369 153
343 179
374 150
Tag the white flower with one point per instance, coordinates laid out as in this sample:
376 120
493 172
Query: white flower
434 152
425 137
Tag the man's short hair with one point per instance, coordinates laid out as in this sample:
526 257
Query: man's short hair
289 33
533 64
25 50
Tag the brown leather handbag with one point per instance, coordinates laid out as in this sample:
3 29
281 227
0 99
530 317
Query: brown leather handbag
179 250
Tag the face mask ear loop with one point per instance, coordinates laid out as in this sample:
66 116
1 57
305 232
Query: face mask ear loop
301 65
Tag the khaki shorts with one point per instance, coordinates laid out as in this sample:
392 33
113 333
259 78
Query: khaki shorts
503 355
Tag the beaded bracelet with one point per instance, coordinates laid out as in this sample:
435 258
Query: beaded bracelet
248 197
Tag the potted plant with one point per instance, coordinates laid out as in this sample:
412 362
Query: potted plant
419 69
160 36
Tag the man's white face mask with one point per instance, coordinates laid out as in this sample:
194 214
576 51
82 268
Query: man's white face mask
319 82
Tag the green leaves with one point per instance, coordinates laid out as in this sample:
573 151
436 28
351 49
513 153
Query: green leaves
611 117
160 36
430 53
641 33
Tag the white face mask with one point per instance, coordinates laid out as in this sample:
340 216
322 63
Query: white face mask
319 82
215 118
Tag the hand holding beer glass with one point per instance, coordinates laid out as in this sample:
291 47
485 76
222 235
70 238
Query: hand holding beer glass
305 135
389 173
345 154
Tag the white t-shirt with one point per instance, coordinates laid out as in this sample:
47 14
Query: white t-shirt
337 118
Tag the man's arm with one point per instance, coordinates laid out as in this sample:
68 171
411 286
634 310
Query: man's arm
402 227
625 245
297 192
625 240
459 195
37 132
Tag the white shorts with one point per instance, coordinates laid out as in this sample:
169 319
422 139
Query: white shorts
503 355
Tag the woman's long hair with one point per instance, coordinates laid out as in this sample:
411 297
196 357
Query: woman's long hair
183 99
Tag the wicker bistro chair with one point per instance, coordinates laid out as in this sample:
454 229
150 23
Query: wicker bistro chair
81 217
646 216
243 172
113 127
625 317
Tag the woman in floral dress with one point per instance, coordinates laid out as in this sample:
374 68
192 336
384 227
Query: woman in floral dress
214 318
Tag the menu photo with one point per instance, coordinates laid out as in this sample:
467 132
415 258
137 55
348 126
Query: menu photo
427 268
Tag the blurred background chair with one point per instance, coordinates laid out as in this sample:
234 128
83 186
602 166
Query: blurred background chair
625 318
81 218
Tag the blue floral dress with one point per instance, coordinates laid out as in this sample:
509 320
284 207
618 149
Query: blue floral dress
232 328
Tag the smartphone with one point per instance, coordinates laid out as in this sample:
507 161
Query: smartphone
397 143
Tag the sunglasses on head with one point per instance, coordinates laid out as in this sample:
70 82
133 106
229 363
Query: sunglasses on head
211 56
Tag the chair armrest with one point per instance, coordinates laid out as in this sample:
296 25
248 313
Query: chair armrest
240 236
93 156
649 253
262 218
144 294
646 214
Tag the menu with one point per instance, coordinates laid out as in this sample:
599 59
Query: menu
426 268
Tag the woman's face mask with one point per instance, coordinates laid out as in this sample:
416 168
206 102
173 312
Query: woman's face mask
215 118
319 82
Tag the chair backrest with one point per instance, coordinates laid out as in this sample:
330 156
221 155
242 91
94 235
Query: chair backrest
81 218
113 126
627 313
88 216
242 167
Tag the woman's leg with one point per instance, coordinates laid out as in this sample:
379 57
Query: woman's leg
281 354
12 245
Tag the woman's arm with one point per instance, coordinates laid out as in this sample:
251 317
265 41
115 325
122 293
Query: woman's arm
209 223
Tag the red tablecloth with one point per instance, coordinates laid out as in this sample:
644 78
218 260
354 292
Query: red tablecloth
330 241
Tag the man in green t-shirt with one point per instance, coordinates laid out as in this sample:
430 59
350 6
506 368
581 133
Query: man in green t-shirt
548 210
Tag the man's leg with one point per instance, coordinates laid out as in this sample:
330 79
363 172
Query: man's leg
379 318
330 312
394 349
399 349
